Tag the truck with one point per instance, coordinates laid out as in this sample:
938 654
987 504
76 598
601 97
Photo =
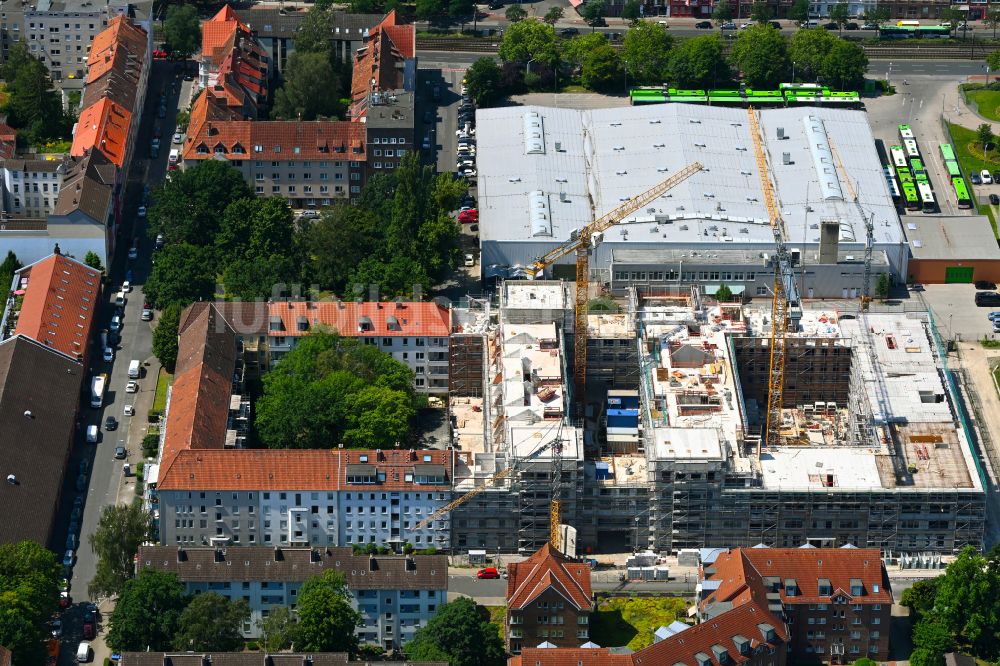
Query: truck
97 386
133 369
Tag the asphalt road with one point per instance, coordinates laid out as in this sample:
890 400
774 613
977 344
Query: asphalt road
106 481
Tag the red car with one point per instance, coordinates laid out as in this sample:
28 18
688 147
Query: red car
159 53
488 572
88 630
64 600
470 215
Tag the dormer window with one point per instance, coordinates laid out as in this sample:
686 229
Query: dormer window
767 632
721 654
202 149
238 149
791 587
277 149
703 659
365 324
825 588
742 644
857 587
275 324
301 324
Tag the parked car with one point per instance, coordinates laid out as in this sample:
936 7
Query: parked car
56 628
993 316
116 323
88 630
745 25
488 572
111 423
870 25
68 557
851 26
832 25
65 601
703 25
984 285
468 216
470 260
428 117
996 176
995 199
127 286
569 32
987 299
119 453
142 211
132 387
129 410
147 314
987 178
976 180
729 25
109 353
178 137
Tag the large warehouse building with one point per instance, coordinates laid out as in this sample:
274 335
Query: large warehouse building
545 172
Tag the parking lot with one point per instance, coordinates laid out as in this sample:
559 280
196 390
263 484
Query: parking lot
955 312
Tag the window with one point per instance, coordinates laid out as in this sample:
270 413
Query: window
761 291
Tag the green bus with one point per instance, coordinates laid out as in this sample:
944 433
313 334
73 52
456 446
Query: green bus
914 32
947 152
961 192
647 96
951 167
910 196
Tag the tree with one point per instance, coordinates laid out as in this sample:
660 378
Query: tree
882 286
528 40
799 11
632 11
760 12
9 266
761 54
182 29
256 229
952 16
968 604
305 93
577 50
248 278
326 618
186 208
593 11
315 33
211 623
553 16
330 390
33 106
646 49
29 592
602 69
722 12
277 630
182 274
120 530
845 65
93 260
515 13
840 14
338 241
724 294
865 661
993 60
482 81
809 48
426 10
147 612
932 640
165 336
984 136
992 20
698 63
461 634
919 597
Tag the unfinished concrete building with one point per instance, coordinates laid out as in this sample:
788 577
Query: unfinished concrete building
874 453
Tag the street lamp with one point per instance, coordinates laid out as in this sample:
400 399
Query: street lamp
527 68
626 78
793 71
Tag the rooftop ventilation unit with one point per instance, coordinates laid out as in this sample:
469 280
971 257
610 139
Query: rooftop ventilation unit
819 146
786 158
534 134
781 134
538 213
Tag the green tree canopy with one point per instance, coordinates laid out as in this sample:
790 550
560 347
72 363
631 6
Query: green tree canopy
33 106
799 11
326 619
840 14
147 612
632 11
527 40
723 11
305 93
553 15
183 273
182 29
576 50
482 81
93 260
984 136
602 69
515 13
699 63
992 20
647 52
760 12
919 597
993 60
277 630
9 266
592 11
809 48
29 593
211 623
315 33
461 634
761 54
845 65
186 207
330 390
120 530
165 336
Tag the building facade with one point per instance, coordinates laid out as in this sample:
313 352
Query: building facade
395 595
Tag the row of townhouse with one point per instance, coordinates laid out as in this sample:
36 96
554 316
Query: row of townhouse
311 164
395 595
75 200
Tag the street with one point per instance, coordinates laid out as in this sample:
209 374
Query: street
107 483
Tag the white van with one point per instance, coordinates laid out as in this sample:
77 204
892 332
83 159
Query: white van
133 369
120 299
92 432
174 155
83 652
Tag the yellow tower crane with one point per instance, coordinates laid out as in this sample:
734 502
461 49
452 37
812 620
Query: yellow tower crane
784 294
582 243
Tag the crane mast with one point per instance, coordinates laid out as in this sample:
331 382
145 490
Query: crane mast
783 297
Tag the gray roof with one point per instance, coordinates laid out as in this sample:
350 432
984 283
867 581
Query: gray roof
261 563
87 187
39 391
250 659
958 238
588 162
283 23
676 257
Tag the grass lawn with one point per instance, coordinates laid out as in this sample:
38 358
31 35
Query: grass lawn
631 621
970 156
160 398
987 101
497 615
987 210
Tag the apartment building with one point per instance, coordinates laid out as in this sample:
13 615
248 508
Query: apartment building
396 595
836 602
233 63
548 599
60 32
75 200
414 333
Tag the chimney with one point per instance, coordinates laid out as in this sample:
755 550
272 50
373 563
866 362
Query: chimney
829 238
206 660
181 554
278 555
411 564
220 555
372 563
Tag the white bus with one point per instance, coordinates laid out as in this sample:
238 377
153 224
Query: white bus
927 202
898 156
910 146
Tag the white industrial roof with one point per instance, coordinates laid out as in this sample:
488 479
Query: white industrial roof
591 161
809 467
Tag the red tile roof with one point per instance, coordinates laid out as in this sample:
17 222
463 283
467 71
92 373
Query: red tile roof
378 64
218 30
409 319
395 464
121 35
104 126
570 657
59 304
548 569
741 573
214 127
